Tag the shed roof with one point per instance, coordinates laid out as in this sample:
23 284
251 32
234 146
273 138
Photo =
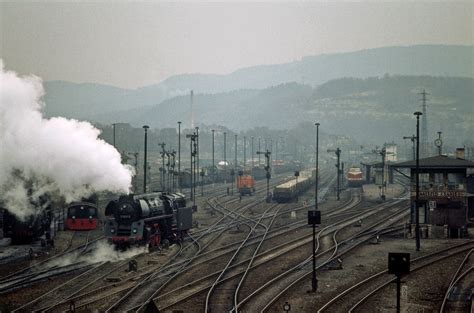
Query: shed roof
439 161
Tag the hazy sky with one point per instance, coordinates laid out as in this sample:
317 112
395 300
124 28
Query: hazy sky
132 44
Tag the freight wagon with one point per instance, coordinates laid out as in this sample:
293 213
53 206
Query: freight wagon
290 190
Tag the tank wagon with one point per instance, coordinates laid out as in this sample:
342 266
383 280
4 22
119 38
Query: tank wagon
152 219
291 189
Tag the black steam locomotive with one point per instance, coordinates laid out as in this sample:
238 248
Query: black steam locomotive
31 228
151 219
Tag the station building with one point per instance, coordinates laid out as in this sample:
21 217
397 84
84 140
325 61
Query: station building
446 195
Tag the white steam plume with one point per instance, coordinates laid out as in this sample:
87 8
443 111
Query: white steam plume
55 155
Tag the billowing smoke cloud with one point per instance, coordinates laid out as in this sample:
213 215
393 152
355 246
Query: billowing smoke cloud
59 156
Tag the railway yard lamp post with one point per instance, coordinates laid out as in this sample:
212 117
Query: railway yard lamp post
252 156
213 160
179 155
417 182
245 153
173 172
268 170
168 165
232 172
317 168
197 154
314 217
225 161
145 127
338 154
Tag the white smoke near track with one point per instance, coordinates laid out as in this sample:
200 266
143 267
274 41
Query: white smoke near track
104 252
55 156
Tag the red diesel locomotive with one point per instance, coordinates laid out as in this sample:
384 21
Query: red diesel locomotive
82 215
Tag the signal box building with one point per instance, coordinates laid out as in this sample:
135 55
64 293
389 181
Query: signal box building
446 195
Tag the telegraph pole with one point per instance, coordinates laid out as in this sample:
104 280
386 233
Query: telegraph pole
145 127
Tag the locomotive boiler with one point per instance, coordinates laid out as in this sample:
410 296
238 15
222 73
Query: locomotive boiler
152 219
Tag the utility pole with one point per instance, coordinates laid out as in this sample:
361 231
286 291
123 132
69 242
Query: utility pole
338 154
179 156
145 127
163 171
417 182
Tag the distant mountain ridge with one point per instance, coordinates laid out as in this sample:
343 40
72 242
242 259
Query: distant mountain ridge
99 103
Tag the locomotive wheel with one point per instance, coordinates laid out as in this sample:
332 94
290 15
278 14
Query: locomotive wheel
166 243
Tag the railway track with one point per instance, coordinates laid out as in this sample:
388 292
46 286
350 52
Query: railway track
204 283
354 298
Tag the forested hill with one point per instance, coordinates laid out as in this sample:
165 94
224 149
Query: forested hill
379 108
